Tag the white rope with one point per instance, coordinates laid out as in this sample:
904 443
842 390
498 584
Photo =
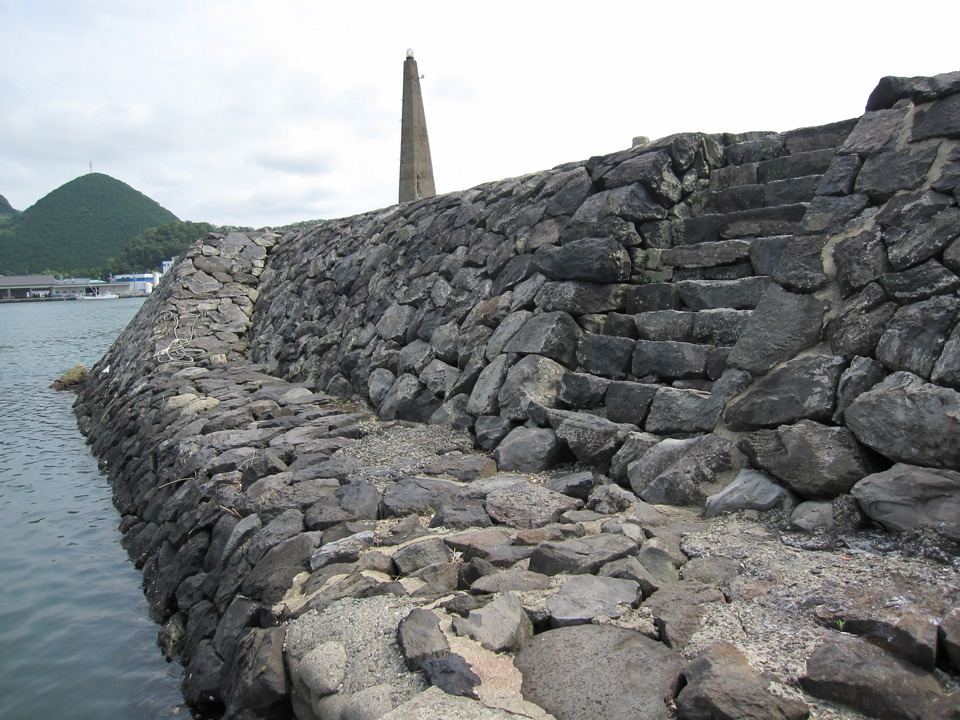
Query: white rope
177 350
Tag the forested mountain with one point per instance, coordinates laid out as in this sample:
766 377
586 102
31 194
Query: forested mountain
6 210
150 248
75 229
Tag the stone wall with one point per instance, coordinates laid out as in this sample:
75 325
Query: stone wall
713 321
775 300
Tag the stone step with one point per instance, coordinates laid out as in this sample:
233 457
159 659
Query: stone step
813 162
751 197
758 222
697 295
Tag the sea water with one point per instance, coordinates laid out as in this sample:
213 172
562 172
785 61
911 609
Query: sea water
75 638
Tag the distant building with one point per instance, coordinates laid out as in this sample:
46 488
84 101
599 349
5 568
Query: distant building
140 283
25 286
166 265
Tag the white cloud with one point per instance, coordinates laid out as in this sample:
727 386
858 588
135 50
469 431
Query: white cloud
264 112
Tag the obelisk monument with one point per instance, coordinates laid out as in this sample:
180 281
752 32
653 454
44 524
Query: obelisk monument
416 168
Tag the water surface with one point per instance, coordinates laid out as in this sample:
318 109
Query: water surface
75 639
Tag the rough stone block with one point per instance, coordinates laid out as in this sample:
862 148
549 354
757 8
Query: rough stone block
604 355
783 325
909 421
628 402
741 294
889 172
669 359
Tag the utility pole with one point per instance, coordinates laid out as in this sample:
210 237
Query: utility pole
416 168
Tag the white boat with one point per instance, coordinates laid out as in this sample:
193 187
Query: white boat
101 296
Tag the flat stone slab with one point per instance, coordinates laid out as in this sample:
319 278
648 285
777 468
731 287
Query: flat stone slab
588 672
862 676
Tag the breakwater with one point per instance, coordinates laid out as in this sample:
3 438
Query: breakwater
698 325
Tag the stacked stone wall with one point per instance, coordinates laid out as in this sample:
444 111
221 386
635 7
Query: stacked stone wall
723 322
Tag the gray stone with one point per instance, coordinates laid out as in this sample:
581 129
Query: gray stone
863 677
593 440
628 402
583 598
528 506
801 264
712 254
683 482
502 625
577 485
634 446
605 355
813 460
655 460
875 132
737 294
946 371
841 176
861 322
721 683
490 430
587 672
370 703
483 397
920 282
552 334
578 298
677 609
938 120
719 326
924 240
630 568
322 669
346 550
783 324
582 390
257 680
437 702
884 174
658 565
418 496
916 335
407 399
534 379
528 450
418 555
580 556
654 170
669 359
711 570
909 421
949 636
599 260
908 497
683 411
459 514
804 388
354 501
750 490
859 260
631 202
862 375
665 325
610 499
452 674
420 638
510 580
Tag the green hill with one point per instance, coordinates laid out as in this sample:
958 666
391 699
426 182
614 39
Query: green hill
6 210
76 228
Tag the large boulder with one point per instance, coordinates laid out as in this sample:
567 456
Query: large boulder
805 387
587 672
907 497
721 683
909 421
813 460
865 678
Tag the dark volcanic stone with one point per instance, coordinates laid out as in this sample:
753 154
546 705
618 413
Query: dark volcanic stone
802 388
862 676
595 671
783 324
909 421
584 555
907 497
722 684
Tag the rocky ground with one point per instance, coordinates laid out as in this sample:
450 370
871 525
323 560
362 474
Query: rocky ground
747 580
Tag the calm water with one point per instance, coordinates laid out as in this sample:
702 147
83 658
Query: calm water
75 641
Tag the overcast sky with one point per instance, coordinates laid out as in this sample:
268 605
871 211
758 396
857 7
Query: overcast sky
267 112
